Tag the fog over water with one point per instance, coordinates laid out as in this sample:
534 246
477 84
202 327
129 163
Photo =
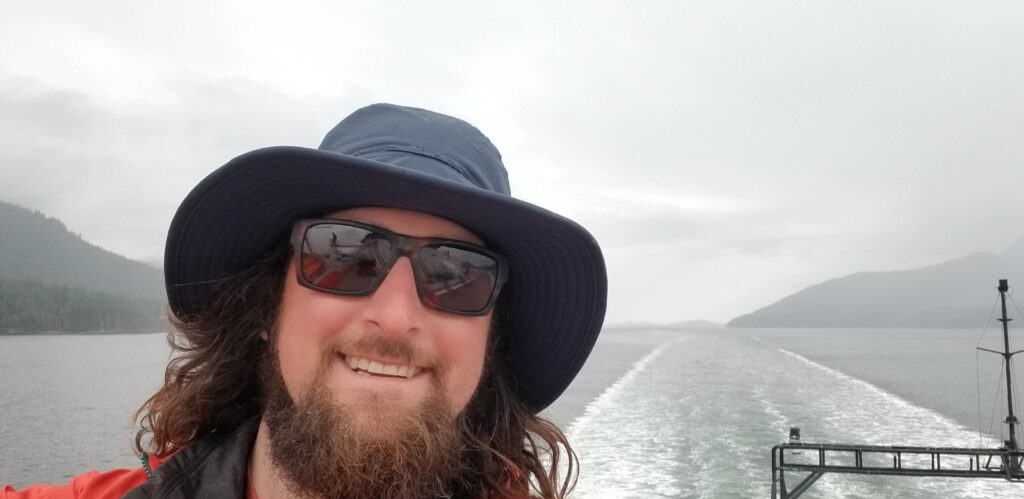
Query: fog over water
724 154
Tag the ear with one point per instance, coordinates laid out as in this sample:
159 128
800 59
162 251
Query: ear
264 336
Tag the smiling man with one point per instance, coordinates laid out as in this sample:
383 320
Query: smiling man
377 317
380 380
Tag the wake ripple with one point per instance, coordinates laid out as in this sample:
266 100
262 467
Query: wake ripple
624 458
859 412
697 416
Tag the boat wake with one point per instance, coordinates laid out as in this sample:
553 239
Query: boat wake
697 415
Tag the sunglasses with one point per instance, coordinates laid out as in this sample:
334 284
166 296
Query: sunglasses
351 259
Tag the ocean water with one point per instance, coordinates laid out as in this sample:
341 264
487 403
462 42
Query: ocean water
697 415
653 414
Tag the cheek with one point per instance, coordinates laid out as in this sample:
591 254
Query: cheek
291 351
465 351
306 322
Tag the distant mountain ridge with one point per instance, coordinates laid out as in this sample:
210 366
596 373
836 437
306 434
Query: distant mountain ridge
956 293
675 326
34 247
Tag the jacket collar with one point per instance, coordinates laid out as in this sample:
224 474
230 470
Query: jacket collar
215 466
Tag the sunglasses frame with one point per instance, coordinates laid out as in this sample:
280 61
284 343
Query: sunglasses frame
404 245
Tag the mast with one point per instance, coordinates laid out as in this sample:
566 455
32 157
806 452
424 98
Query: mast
1010 419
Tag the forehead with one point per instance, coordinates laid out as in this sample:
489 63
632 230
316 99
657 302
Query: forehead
407 222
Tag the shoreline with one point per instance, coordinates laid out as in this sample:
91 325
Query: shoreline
92 332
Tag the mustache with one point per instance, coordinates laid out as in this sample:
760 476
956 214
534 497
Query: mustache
375 345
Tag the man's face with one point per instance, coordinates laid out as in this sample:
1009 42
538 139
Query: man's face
319 337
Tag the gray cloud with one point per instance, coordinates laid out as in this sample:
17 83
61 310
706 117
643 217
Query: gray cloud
724 154
117 175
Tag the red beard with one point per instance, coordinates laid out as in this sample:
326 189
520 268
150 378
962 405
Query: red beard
321 451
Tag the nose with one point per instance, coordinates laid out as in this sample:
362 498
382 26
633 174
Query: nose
394 307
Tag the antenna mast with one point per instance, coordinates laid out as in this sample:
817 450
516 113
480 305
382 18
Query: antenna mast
1010 419
1012 462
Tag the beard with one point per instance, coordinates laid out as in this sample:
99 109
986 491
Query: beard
322 449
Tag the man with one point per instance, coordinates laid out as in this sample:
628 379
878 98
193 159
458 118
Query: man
373 318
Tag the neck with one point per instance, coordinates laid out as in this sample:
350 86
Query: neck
263 478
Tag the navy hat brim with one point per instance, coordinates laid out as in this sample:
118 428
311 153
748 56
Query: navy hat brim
554 301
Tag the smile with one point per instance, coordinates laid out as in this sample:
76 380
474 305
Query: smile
371 367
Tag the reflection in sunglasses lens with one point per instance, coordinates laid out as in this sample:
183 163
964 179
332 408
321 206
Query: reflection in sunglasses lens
343 258
457 278
349 259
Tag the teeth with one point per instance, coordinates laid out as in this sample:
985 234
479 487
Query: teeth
366 366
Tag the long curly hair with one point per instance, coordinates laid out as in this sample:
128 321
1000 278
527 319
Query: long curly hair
212 384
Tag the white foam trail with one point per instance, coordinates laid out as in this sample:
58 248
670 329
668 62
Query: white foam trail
607 399
618 438
935 420
875 416
694 418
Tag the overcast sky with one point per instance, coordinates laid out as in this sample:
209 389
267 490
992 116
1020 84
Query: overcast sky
724 154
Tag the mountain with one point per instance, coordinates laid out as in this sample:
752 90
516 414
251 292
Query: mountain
957 293
1015 254
630 326
34 247
694 324
646 326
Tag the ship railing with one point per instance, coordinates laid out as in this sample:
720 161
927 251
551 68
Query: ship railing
818 459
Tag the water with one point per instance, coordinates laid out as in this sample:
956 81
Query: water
66 402
653 414
697 415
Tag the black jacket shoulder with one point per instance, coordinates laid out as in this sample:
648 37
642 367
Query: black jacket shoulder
214 467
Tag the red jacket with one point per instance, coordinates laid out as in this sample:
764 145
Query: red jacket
215 467
91 485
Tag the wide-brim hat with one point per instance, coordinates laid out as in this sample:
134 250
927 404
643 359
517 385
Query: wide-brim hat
391 156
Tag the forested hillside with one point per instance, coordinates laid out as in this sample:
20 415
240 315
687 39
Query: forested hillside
38 248
31 307
51 280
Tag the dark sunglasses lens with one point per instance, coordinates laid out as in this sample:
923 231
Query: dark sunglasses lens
458 278
344 258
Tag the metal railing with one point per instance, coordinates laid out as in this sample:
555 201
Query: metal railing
817 459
